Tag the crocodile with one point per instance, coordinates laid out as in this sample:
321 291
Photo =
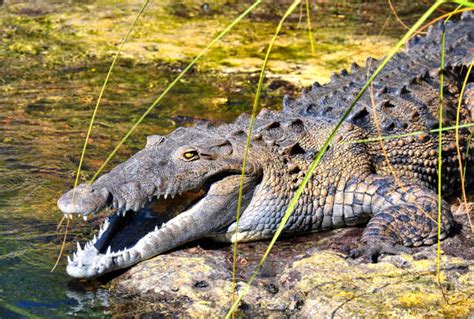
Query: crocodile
185 186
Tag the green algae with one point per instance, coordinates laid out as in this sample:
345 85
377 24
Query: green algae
92 30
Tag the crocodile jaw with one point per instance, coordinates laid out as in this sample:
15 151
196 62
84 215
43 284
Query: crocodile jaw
109 251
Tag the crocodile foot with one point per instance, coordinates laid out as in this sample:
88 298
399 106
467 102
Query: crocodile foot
369 252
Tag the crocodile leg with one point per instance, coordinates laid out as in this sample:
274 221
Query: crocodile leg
401 217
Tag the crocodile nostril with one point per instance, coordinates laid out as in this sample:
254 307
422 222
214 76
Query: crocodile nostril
109 200
162 163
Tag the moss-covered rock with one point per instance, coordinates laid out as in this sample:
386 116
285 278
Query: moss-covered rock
303 278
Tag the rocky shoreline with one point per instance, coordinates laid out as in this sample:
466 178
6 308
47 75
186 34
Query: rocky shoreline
304 277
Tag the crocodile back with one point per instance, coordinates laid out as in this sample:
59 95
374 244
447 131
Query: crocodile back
405 98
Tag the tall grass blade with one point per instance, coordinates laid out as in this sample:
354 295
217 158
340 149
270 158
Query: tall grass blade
468 146
172 84
62 245
256 102
102 90
462 171
94 114
440 160
400 183
392 8
449 14
19 312
320 154
440 153
310 33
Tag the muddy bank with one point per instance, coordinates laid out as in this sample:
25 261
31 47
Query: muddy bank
307 276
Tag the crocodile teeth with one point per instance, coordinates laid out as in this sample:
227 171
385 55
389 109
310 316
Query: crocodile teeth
69 261
133 254
94 240
106 223
126 256
79 248
101 268
109 251
156 228
84 217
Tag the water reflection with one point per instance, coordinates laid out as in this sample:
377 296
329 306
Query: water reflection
87 300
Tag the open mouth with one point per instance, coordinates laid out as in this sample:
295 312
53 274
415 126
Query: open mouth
123 229
114 246
162 223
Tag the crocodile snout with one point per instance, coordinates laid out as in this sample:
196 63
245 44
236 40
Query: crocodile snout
84 200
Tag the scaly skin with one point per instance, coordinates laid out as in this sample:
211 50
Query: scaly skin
352 185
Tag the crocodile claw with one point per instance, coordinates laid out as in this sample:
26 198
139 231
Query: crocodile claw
371 251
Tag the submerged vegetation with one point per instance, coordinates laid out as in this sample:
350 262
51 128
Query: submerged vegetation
55 56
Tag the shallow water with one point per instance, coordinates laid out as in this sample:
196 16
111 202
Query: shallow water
53 58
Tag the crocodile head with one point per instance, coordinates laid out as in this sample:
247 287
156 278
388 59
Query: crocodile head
179 188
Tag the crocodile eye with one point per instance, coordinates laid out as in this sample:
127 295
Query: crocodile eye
190 155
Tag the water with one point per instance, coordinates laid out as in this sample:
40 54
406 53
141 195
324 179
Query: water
53 58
